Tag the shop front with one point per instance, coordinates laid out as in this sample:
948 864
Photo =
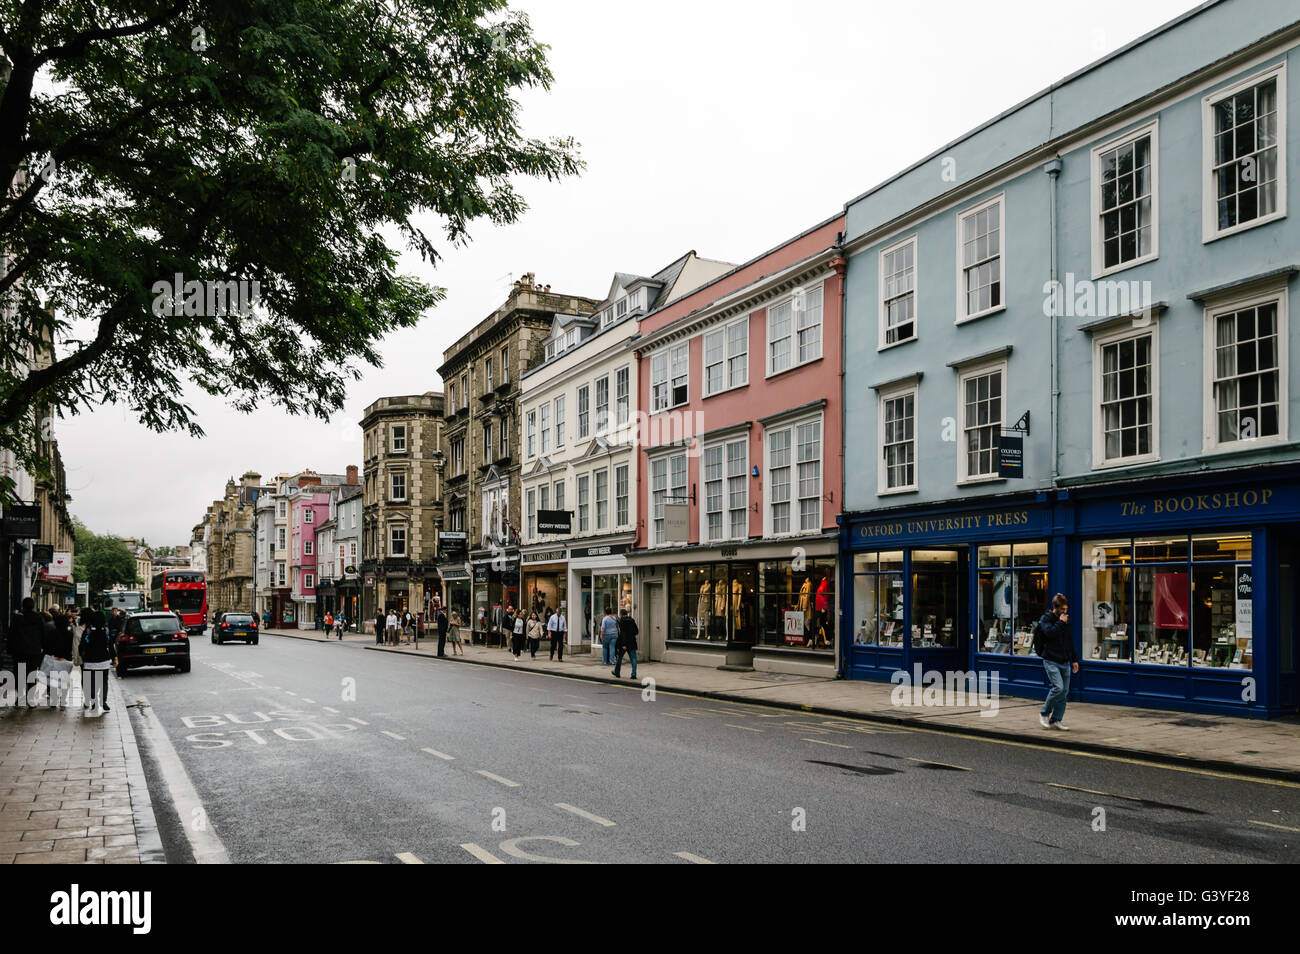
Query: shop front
545 581
348 601
761 606
495 589
1182 594
456 592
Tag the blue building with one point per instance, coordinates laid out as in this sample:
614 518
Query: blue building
1069 368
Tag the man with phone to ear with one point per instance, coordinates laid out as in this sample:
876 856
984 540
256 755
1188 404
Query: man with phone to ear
1053 641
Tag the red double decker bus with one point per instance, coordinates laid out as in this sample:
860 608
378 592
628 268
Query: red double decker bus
185 593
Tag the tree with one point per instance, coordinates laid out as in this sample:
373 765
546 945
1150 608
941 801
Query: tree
101 560
168 155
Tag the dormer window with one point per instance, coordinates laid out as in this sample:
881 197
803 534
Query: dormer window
620 309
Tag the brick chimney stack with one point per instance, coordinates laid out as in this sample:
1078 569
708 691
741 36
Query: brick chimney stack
352 474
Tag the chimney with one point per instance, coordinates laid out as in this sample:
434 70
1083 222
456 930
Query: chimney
352 474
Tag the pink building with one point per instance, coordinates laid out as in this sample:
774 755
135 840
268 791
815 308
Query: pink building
308 509
740 471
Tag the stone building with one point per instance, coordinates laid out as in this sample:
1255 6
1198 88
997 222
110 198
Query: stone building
401 483
481 374
230 544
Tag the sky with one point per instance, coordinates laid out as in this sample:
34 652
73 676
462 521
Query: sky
723 127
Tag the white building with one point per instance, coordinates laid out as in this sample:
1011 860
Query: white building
579 414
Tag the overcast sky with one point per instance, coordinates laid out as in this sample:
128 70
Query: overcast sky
719 127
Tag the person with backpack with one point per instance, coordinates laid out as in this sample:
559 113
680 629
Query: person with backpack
1054 642
57 664
98 655
626 643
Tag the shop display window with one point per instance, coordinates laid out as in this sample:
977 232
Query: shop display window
1013 594
936 594
878 598
1169 601
797 606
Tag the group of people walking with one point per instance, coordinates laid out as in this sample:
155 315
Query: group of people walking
54 643
523 632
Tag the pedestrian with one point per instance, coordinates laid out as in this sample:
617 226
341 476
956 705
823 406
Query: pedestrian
1054 642
26 645
608 636
329 624
380 623
534 634
453 633
408 622
559 629
626 643
508 628
391 627
98 655
57 664
520 635
441 621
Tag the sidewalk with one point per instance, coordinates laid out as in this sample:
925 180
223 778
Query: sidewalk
72 788
1256 747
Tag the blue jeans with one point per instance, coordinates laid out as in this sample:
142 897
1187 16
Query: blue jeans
607 649
1058 674
618 663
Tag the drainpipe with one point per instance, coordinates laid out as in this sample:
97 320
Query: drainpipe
840 263
1053 170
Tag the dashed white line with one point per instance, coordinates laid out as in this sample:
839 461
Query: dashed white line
693 859
497 778
290 692
392 735
311 701
358 721
482 854
836 744
581 813
406 858
330 709
747 728
674 715
442 755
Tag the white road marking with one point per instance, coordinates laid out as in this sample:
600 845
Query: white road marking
511 847
1272 825
290 692
836 744
574 810
406 858
693 859
312 701
747 728
207 847
497 778
355 862
392 735
358 721
674 715
622 705
330 709
442 755
482 854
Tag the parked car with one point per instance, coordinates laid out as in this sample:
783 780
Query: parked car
153 639
235 626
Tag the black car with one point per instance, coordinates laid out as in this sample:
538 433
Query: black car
153 639
235 626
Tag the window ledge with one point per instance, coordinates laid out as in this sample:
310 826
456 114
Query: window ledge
883 346
1242 227
894 491
1123 266
794 367
1123 462
972 481
965 319
726 390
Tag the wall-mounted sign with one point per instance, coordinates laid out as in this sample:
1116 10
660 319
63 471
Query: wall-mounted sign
22 521
546 556
677 522
555 521
609 549
1011 455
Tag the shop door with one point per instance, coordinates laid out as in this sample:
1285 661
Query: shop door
655 616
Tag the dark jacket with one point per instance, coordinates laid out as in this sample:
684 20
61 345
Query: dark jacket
96 641
627 633
1055 641
442 623
58 641
26 638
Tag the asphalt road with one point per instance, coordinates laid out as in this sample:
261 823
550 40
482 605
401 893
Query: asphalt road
297 751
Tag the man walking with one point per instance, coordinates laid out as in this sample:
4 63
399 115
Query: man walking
26 639
608 636
1053 641
627 633
380 622
559 630
441 621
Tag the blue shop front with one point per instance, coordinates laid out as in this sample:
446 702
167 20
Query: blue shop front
1182 592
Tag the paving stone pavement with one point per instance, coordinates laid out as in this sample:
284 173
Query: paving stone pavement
72 787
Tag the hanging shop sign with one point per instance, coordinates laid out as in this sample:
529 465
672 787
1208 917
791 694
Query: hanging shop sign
1011 455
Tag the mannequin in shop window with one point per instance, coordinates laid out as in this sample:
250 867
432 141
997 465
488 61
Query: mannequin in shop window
737 603
719 620
821 609
702 609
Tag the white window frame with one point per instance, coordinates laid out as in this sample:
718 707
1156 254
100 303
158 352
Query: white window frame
975 371
1148 129
559 422
280 576
726 508
655 524
601 504
1209 194
308 515
557 494
544 428
1099 345
883 315
1000 200
795 361
397 438
622 501
394 528
792 426
584 411
622 395
882 469
668 358
392 487
309 581
584 503
281 540
530 513
505 363
602 422
728 383
309 548
283 509
487 374
503 436
1278 294
530 434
